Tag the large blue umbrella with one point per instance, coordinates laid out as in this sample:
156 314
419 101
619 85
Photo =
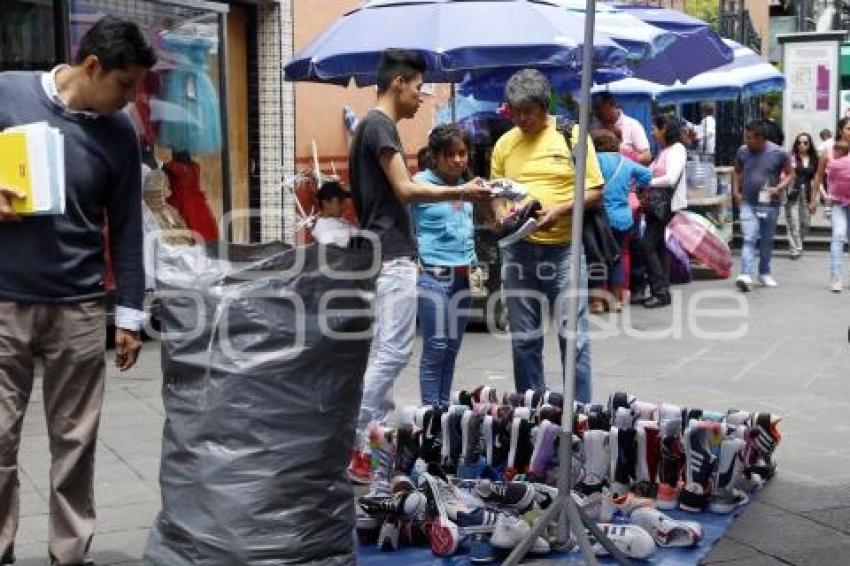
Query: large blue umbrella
747 75
459 38
693 49
697 47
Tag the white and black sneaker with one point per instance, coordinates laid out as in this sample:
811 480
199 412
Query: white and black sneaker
744 283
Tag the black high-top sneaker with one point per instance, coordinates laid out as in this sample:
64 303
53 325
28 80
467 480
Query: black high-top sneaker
726 497
598 417
671 463
431 438
623 446
700 464
471 437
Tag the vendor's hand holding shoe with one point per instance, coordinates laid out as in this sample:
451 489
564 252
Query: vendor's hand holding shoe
547 218
6 211
514 222
476 190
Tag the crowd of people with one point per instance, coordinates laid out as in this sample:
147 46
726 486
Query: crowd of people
425 223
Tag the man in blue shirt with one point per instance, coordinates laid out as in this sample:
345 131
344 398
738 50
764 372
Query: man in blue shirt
762 171
51 274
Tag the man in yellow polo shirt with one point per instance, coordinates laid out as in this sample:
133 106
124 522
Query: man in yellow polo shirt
536 270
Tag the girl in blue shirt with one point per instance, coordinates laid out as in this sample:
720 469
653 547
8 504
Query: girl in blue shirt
619 173
445 237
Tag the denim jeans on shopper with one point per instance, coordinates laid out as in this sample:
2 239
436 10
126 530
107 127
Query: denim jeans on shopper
442 304
840 221
392 344
537 276
757 231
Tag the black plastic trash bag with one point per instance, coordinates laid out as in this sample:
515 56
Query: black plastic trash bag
263 355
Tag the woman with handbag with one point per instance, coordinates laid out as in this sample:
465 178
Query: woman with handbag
619 172
804 159
666 194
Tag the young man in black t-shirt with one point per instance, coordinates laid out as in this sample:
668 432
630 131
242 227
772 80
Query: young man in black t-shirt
382 189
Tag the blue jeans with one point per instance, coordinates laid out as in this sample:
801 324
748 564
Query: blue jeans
537 276
442 304
757 231
840 220
392 343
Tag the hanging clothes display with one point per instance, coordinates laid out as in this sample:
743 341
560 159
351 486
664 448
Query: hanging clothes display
184 177
197 129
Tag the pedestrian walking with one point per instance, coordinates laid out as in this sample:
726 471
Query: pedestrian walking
834 149
51 275
382 190
758 183
445 235
536 270
804 159
620 173
838 174
666 194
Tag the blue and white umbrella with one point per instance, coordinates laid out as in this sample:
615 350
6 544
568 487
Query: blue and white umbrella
675 48
747 75
697 48
458 39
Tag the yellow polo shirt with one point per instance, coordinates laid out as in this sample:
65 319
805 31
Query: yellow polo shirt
542 163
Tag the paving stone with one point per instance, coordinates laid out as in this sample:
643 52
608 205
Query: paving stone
836 518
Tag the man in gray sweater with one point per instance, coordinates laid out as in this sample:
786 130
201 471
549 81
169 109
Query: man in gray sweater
51 274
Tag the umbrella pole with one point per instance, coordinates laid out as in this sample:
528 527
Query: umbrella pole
570 517
454 103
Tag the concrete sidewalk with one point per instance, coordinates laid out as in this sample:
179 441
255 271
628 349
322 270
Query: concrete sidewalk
793 360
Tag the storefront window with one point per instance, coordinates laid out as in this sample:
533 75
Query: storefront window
27 33
177 112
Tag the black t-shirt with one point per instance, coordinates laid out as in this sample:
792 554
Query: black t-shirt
773 132
377 206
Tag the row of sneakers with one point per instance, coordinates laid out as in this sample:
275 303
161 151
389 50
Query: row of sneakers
685 458
515 434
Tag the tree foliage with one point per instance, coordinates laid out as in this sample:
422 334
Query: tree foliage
706 10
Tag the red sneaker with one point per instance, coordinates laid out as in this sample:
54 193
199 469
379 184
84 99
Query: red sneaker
360 468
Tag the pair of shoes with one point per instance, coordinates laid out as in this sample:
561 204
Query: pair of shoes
837 284
744 283
597 306
657 301
767 280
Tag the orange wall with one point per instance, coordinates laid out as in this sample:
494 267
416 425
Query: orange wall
318 108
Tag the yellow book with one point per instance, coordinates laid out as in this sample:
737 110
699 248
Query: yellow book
15 172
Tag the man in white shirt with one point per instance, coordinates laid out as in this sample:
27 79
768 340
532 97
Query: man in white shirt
706 131
609 116
331 227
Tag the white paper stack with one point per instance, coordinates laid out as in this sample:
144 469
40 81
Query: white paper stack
34 164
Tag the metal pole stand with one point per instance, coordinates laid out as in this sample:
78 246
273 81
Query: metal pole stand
563 510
